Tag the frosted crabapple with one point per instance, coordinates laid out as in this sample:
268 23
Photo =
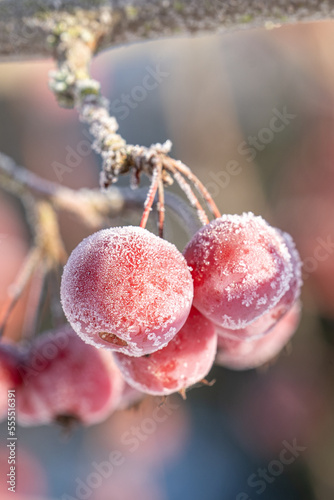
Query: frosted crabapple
263 325
126 289
245 354
66 381
242 267
10 377
186 360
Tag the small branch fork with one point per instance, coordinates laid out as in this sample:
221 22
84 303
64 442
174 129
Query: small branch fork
120 158
74 87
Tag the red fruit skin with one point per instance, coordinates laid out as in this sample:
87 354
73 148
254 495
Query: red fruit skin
10 377
64 377
129 286
246 354
186 360
241 268
266 322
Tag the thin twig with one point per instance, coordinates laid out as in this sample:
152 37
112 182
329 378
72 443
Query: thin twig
72 86
17 288
161 207
199 186
91 206
191 197
150 198
34 303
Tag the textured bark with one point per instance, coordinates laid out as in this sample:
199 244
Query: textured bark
26 25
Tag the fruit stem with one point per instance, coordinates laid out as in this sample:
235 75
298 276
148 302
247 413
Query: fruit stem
200 187
161 206
150 198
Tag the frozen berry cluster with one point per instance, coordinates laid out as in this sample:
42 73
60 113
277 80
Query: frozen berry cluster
160 318
161 312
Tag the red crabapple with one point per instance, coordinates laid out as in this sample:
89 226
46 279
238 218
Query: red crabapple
186 360
241 268
267 321
251 353
127 290
66 379
10 377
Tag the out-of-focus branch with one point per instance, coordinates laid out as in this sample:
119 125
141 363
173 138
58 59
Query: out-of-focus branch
27 26
90 205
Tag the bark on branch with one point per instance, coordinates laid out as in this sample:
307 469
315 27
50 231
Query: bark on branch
26 26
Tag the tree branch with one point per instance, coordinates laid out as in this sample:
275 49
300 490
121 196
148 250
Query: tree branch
26 26
91 206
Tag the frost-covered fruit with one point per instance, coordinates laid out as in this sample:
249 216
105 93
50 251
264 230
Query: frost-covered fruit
263 325
66 380
10 377
127 290
241 267
186 360
245 354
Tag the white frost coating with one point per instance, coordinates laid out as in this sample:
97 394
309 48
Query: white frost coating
242 267
128 283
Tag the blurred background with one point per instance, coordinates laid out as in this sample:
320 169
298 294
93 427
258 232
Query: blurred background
252 114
